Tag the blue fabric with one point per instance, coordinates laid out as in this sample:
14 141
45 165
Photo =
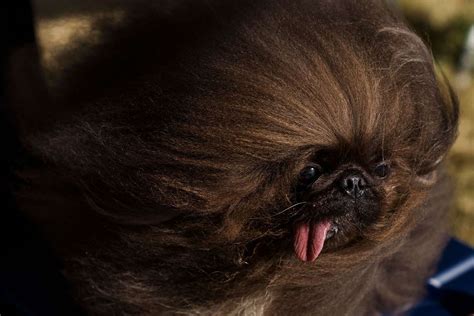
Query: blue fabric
451 288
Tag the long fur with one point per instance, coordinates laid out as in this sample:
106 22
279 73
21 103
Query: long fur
168 190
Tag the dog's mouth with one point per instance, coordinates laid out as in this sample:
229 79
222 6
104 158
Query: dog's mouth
330 225
309 238
312 235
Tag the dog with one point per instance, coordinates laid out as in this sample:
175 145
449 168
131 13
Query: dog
237 157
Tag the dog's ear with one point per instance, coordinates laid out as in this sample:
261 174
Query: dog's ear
451 104
429 175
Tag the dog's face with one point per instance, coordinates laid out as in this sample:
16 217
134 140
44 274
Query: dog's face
340 197
336 199
288 135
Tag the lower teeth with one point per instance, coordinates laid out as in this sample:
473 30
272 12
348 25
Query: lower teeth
331 232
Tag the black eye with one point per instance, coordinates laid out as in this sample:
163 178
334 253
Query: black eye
382 170
309 174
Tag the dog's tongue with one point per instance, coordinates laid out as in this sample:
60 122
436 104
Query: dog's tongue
309 239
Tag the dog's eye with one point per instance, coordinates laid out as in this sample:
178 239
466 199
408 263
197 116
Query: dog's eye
309 174
382 170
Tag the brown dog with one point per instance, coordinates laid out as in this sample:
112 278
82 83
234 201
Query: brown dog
267 157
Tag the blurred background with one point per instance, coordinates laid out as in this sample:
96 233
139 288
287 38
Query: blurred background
446 25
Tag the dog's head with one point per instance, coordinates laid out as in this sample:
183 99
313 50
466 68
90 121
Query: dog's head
299 128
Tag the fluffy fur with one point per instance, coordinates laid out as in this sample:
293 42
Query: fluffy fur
169 190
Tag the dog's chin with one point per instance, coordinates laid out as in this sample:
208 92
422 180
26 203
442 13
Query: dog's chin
304 238
303 242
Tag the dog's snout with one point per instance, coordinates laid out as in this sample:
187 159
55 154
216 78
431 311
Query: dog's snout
353 184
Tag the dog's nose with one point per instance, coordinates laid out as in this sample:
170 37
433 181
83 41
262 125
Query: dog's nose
354 184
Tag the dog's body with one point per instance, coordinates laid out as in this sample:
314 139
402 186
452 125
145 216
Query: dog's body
186 172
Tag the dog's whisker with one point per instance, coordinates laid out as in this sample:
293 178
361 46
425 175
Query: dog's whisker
289 208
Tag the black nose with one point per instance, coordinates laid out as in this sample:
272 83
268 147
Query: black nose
354 185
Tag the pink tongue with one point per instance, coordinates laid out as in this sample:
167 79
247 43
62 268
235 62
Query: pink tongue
309 239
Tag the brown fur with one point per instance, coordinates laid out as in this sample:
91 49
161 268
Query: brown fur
170 179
